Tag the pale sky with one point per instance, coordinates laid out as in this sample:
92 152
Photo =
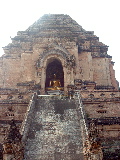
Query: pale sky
100 16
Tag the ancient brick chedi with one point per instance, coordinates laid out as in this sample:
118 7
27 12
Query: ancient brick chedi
56 56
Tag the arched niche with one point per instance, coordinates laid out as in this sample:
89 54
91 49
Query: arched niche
48 58
54 66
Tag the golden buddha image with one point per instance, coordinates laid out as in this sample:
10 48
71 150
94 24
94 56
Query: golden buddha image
54 84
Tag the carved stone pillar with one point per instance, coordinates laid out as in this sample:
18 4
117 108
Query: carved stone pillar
65 79
70 64
43 80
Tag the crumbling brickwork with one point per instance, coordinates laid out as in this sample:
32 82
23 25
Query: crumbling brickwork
85 67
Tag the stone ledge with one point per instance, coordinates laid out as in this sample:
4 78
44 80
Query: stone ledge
105 120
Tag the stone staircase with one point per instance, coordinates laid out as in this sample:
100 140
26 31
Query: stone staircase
54 129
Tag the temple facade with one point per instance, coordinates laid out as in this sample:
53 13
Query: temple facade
57 57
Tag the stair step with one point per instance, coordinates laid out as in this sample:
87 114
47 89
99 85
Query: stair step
55 132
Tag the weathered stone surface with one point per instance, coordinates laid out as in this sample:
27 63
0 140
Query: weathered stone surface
12 147
26 68
59 35
54 133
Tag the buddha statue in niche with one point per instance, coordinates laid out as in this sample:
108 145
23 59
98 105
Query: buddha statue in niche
54 84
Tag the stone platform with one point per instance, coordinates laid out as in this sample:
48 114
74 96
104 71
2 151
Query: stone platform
55 92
